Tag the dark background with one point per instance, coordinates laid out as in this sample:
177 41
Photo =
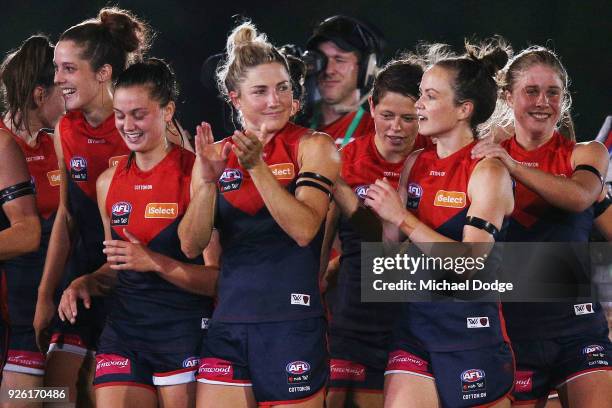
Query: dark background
189 31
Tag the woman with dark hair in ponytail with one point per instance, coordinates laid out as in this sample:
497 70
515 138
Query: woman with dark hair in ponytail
34 104
558 345
153 333
88 57
445 196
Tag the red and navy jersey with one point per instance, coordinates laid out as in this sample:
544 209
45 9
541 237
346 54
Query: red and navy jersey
362 165
88 151
338 128
438 196
24 272
265 274
150 205
535 220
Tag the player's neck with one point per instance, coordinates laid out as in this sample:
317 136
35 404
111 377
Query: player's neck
453 141
532 140
332 112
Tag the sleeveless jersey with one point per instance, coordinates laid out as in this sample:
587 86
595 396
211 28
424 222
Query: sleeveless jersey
362 165
535 220
150 205
24 272
88 151
265 275
438 197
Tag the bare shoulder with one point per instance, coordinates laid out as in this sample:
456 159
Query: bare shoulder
104 179
491 167
318 144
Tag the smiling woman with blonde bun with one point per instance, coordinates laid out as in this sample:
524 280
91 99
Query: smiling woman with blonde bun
266 341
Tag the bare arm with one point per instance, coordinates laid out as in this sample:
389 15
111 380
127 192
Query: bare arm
300 216
196 226
603 222
23 235
575 193
490 192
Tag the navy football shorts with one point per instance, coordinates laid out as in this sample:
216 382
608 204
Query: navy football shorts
283 362
358 361
23 354
466 378
545 365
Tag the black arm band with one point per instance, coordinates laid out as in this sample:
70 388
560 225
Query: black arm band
601 207
591 169
482 224
16 191
316 176
309 183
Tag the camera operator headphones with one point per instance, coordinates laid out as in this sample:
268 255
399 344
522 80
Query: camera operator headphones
349 34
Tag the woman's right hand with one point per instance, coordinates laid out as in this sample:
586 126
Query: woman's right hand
210 160
77 290
43 317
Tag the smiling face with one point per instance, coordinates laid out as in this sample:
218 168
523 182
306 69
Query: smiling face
140 120
396 121
536 98
74 76
264 96
338 82
438 113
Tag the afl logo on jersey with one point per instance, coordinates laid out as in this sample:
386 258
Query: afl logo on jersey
473 381
362 191
298 372
78 168
415 192
230 180
120 213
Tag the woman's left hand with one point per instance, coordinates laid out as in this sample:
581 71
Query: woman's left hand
385 201
248 147
487 148
132 255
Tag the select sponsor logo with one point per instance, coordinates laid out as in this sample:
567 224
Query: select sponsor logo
120 213
78 168
114 161
477 322
298 372
54 177
112 364
451 199
283 171
523 381
362 191
344 370
161 210
300 299
230 180
473 380
583 308
415 192
191 362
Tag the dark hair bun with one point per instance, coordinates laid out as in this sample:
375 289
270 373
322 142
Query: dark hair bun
129 32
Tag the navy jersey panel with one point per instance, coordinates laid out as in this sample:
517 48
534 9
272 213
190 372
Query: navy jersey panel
362 165
148 312
438 196
535 220
265 275
88 151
